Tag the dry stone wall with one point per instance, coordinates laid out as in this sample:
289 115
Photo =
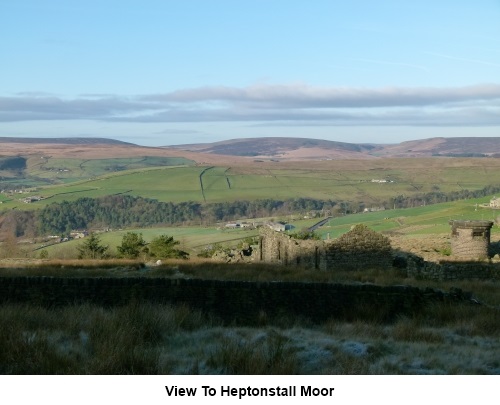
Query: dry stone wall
233 301
453 270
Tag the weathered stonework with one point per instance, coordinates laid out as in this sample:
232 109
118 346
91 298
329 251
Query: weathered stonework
470 240
235 302
451 270
361 247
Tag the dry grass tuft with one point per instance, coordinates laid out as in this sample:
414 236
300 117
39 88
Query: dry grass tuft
237 355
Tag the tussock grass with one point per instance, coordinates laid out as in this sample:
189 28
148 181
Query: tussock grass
145 338
88 339
409 330
271 354
142 338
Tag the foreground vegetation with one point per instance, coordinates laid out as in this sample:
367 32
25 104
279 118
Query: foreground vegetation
159 339
143 338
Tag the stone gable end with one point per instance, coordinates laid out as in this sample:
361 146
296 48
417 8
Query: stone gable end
360 248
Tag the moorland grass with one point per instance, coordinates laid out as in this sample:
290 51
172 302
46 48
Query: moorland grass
337 180
144 338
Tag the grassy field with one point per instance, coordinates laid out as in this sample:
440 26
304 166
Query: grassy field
158 178
77 169
407 223
192 239
431 219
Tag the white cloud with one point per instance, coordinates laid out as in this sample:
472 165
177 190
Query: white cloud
298 103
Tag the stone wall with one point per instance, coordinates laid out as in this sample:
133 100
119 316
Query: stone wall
279 248
233 301
361 247
470 240
453 270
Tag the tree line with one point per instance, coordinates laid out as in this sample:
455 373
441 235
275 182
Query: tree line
120 211
127 211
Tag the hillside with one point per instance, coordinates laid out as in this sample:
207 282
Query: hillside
284 148
64 141
97 148
451 147
315 149
237 152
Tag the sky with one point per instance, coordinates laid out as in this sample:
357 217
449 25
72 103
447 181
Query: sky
167 72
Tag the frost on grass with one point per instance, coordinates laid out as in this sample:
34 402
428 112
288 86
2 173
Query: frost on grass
165 340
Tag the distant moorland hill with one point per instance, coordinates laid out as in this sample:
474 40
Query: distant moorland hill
287 148
239 151
64 141
304 148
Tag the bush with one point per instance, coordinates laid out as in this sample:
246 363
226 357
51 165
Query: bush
163 247
132 245
92 248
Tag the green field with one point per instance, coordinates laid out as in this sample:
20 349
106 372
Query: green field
77 169
431 219
157 178
410 222
192 239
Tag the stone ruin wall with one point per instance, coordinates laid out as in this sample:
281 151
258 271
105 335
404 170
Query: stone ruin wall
359 248
279 248
470 240
362 248
452 270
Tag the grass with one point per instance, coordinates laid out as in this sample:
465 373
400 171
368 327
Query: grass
77 169
155 177
415 223
89 340
142 338
425 220
193 239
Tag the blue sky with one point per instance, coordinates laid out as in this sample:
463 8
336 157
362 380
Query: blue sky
170 72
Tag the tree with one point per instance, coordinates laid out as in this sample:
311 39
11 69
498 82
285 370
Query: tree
92 248
163 247
305 234
132 245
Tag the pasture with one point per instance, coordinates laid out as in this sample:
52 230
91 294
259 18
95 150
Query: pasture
69 169
409 223
192 239
343 180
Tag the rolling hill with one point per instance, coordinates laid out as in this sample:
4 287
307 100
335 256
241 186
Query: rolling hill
450 147
284 148
245 151
316 149
64 141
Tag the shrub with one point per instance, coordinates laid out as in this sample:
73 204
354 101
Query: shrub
163 247
132 245
92 248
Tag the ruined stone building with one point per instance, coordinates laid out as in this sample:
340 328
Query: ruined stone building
495 202
470 240
361 247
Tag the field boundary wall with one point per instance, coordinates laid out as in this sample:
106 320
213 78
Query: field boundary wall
232 301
